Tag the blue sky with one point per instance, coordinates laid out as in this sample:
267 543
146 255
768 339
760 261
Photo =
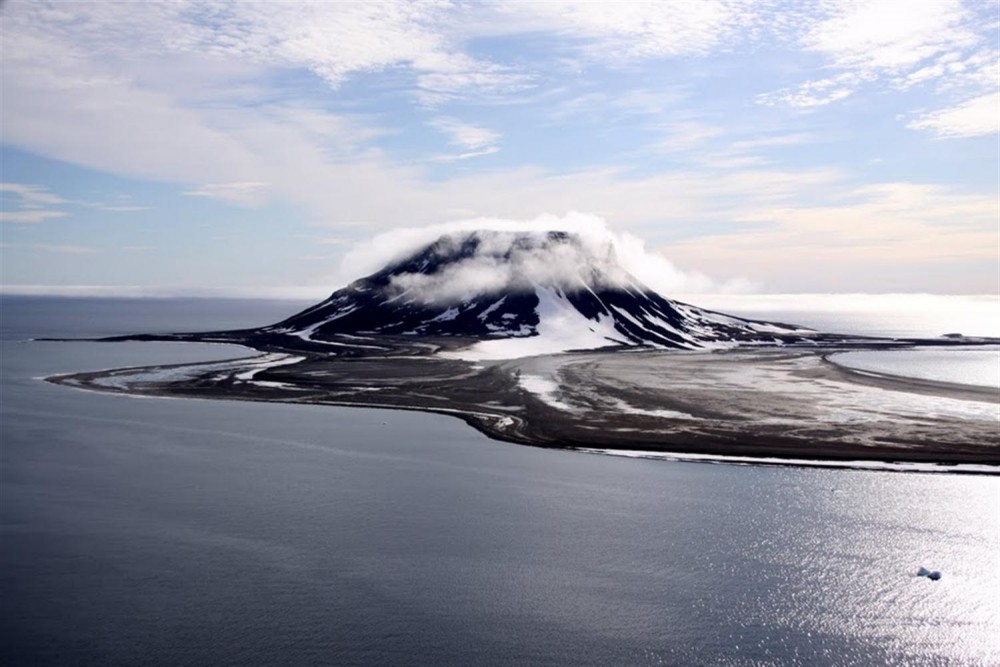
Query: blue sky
245 148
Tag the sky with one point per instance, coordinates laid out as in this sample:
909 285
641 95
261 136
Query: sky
248 148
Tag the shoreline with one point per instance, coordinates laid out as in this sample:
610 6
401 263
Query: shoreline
600 405
914 383
875 465
830 464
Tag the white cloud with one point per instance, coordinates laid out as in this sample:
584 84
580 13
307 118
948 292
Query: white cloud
67 249
61 101
747 153
888 35
464 78
31 215
816 93
32 195
466 136
426 37
197 94
454 157
636 30
650 102
334 40
771 140
243 193
903 44
30 202
119 208
976 117
684 136
853 245
305 294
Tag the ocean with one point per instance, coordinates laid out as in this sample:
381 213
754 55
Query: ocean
156 531
894 316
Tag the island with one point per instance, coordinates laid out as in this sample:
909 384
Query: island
544 339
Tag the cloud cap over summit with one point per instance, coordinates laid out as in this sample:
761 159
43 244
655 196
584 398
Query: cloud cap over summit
486 262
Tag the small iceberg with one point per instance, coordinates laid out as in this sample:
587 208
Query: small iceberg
933 575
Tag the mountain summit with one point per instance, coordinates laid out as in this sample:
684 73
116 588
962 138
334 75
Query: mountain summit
520 293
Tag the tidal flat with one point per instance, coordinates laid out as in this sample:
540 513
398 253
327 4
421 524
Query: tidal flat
768 404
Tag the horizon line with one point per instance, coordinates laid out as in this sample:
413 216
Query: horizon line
303 293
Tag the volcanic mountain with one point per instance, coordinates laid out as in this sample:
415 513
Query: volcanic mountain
403 336
540 291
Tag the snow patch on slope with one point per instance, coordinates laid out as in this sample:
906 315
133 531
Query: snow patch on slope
306 334
486 313
446 316
544 389
561 327
268 361
622 406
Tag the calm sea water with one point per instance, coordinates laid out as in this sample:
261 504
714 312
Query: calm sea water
901 316
980 367
894 315
151 531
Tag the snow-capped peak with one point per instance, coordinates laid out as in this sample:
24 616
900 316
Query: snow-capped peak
519 293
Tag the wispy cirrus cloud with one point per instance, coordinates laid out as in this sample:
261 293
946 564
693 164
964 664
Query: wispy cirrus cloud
896 226
454 157
890 37
979 116
899 44
28 204
61 248
243 193
465 135
332 40
67 249
31 216
471 140
629 31
685 135
32 195
818 92
120 208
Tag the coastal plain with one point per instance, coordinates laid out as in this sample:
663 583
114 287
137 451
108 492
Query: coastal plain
768 404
